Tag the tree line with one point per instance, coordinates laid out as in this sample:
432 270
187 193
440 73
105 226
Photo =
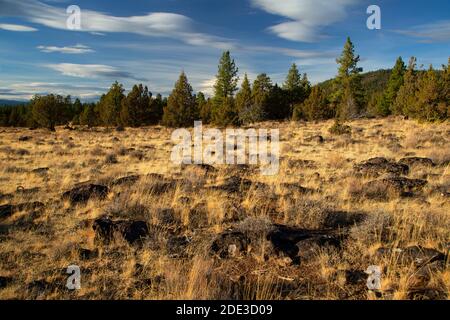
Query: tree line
414 93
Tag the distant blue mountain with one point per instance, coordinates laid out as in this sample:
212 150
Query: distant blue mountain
11 102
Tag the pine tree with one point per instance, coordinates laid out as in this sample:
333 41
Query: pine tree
48 110
244 99
405 102
385 103
202 106
157 109
295 86
135 109
315 107
110 105
180 109
224 89
349 94
429 106
262 87
88 117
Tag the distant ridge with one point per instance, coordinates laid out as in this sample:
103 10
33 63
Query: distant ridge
12 102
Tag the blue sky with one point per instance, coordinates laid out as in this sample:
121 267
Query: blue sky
151 41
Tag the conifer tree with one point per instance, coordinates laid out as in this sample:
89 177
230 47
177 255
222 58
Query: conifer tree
315 107
295 86
405 102
88 117
180 109
48 110
429 106
244 99
110 105
224 112
349 94
135 109
385 103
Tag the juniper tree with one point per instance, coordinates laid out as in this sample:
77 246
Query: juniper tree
180 109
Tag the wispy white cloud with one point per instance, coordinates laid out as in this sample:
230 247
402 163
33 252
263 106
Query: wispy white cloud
157 24
306 17
433 32
92 71
26 90
77 49
17 28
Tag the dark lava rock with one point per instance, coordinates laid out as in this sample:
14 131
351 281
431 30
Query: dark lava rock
40 171
9 209
355 277
5 281
416 161
86 254
131 231
301 164
85 192
342 219
230 244
399 186
234 184
287 240
24 138
166 216
427 294
125 181
162 187
317 139
205 167
177 246
377 166
198 216
295 187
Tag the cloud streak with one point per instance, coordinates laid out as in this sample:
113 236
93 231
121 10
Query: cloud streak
306 17
16 28
91 71
157 24
77 49
433 32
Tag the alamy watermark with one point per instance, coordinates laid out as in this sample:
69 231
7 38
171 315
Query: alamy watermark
234 146
74 280
73 22
374 20
374 279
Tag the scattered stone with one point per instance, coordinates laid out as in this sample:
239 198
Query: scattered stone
177 246
287 240
342 219
398 186
205 167
230 244
166 216
40 171
84 192
24 138
131 231
301 164
86 254
317 139
198 216
295 187
377 166
8 209
125 181
5 281
417 161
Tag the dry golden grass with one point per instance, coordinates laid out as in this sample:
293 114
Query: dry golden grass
35 249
